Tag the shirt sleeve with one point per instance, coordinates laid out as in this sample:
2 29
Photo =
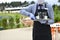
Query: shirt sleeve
26 11
51 15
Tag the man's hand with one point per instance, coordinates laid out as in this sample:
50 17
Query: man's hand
32 16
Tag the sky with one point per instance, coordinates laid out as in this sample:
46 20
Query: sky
49 1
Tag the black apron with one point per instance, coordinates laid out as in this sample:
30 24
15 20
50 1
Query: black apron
41 31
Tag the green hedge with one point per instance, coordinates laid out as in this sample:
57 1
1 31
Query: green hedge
14 21
4 23
57 16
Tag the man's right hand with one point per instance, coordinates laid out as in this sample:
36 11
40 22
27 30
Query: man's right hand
32 17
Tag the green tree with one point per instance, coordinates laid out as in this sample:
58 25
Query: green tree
20 3
56 13
32 2
15 4
25 3
7 4
2 7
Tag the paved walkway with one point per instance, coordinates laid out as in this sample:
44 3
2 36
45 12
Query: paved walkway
20 34
16 34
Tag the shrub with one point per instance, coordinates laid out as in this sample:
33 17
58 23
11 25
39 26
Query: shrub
11 22
4 23
57 16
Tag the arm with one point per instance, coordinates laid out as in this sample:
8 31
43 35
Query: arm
27 11
51 15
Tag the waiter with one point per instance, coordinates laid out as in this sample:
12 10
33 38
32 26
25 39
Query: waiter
41 26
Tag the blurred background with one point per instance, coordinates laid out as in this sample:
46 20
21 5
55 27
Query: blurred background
10 17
